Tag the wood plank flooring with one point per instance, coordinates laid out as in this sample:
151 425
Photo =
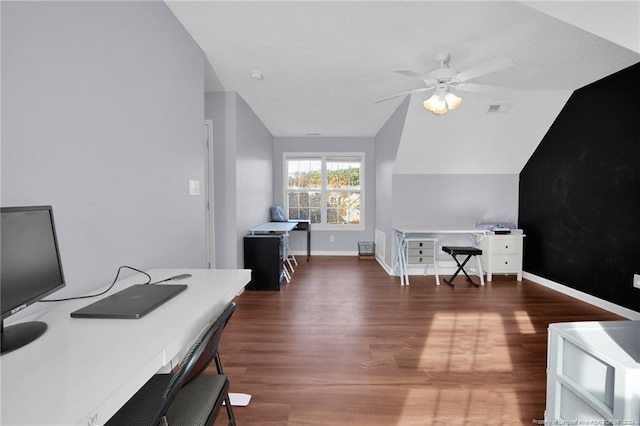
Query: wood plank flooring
345 344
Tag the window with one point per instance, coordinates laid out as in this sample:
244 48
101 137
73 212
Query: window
326 189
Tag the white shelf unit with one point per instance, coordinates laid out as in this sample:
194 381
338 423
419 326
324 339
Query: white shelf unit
422 252
502 254
593 373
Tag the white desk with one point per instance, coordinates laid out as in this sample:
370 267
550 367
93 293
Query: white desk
81 371
278 227
285 228
403 233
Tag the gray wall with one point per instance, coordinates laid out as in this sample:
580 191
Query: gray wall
254 173
387 142
102 107
345 242
220 107
243 173
454 200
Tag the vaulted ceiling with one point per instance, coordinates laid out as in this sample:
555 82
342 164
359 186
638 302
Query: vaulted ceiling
324 64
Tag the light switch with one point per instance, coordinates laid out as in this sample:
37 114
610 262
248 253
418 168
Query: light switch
194 187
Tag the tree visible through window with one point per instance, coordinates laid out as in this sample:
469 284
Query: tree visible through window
325 189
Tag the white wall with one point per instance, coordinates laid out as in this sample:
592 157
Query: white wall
471 141
102 108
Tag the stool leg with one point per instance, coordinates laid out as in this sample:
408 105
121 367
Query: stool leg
460 268
465 272
453 277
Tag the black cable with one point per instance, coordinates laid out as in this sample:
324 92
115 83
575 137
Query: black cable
175 277
100 294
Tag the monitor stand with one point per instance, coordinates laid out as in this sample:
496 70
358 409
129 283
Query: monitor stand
17 335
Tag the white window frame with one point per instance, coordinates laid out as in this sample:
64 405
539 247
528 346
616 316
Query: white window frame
323 156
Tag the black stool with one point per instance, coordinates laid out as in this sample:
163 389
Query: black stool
456 250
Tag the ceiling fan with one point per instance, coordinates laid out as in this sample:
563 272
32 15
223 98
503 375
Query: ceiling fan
445 80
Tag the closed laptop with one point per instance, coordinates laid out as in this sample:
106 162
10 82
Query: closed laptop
131 303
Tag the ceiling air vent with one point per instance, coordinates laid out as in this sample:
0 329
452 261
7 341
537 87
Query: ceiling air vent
500 108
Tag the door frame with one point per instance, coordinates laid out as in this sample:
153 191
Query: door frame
210 224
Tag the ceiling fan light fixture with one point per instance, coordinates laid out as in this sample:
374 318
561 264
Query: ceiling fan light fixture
452 100
435 104
439 103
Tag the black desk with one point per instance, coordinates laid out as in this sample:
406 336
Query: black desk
305 225
263 255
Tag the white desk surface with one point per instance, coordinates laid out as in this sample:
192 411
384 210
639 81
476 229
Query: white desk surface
81 371
274 227
438 230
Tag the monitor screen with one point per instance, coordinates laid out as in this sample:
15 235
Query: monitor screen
30 265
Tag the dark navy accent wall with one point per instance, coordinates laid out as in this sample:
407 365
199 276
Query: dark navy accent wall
579 196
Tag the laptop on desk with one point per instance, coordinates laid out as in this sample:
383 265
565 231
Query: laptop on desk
131 303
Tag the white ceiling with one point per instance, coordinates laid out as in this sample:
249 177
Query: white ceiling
324 63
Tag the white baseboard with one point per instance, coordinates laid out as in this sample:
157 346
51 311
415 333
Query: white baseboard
584 297
386 267
325 253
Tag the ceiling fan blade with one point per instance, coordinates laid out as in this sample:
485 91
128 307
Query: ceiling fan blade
480 70
429 81
481 88
403 93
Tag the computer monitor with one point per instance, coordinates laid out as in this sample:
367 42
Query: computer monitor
30 269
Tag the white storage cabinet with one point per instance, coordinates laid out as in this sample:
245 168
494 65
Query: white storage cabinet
593 373
502 254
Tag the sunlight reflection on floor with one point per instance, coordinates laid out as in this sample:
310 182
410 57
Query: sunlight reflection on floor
469 343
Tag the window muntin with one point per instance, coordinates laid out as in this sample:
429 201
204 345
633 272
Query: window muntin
325 189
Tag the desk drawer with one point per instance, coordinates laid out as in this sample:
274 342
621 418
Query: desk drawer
420 260
420 244
506 244
506 262
420 252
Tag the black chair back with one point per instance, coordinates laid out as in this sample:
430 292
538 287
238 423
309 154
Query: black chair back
200 355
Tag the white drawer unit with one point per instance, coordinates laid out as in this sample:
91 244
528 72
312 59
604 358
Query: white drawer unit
422 251
502 254
593 373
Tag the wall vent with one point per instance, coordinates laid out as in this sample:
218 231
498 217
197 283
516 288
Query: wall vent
499 108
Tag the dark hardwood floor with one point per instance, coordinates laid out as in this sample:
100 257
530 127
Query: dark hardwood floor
345 344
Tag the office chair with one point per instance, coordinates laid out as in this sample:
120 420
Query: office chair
187 396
